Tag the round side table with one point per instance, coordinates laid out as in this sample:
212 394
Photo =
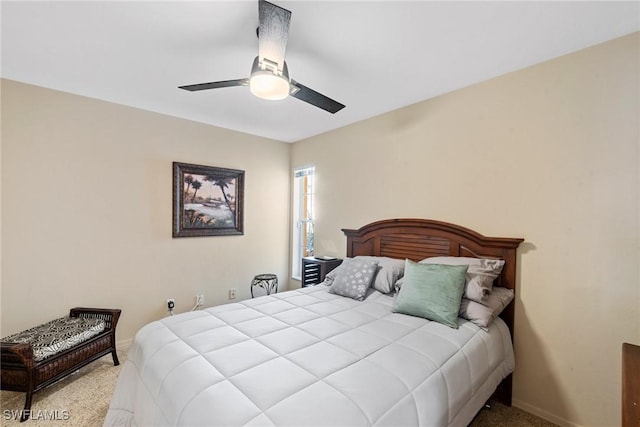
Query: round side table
268 282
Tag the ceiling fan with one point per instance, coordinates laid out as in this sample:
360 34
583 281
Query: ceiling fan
269 77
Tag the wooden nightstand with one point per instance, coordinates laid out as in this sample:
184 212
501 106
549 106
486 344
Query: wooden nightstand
314 269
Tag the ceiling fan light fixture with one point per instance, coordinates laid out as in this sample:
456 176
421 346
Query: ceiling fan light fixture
267 84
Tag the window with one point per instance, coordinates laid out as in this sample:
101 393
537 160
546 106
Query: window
302 217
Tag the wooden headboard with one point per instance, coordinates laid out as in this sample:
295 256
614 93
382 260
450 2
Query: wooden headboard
417 239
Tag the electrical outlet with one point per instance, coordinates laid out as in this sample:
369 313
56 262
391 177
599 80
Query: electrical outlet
199 299
171 303
232 293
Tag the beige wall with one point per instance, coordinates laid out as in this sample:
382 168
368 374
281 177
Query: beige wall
86 210
550 154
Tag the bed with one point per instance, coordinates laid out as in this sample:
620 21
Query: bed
313 357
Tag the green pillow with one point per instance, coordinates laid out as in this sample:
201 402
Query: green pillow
432 291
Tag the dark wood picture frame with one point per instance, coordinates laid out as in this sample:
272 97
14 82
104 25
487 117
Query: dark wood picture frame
207 201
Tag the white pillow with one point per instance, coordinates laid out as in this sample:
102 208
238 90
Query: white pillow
483 314
480 274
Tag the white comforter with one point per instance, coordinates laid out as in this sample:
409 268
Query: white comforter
308 357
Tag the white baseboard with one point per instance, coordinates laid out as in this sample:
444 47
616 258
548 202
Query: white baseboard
543 414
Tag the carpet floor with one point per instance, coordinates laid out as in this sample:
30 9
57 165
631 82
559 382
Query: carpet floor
83 398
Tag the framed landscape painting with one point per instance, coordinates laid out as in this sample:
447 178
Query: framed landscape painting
207 201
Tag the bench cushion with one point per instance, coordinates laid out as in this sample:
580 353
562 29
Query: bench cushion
58 335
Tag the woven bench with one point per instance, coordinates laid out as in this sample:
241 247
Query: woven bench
38 357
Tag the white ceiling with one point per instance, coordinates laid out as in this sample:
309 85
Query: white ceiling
372 56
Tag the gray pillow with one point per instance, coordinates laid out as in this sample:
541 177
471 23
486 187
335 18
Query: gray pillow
388 272
432 291
483 314
331 276
480 274
354 278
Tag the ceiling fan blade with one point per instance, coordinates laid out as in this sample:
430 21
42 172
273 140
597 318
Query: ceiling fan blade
317 99
215 85
273 32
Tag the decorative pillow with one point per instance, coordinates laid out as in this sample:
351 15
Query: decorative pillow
432 291
398 285
483 314
389 271
354 279
331 276
480 274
